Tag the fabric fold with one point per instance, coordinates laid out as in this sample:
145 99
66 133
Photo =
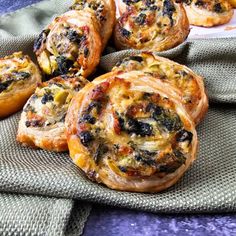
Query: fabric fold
36 215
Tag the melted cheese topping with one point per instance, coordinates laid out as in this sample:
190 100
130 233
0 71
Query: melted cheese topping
65 47
15 70
177 75
47 108
146 21
95 5
135 133
218 6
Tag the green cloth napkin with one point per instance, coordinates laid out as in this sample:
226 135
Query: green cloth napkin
209 186
36 215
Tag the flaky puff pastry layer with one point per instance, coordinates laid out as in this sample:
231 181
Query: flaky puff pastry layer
42 120
19 77
233 3
152 25
190 86
70 44
105 11
130 135
208 13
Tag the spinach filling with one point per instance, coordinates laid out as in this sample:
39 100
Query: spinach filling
133 126
86 138
74 37
184 135
125 33
100 151
4 85
169 163
199 3
169 9
34 123
187 2
47 97
218 8
14 77
169 121
140 19
130 2
41 39
146 157
64 65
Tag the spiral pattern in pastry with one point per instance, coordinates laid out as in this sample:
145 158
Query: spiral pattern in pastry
129 135
105 11
151 24
19 77
70 44
190 86
42 120
208 13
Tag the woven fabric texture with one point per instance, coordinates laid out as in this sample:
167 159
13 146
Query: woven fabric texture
24 215
209 186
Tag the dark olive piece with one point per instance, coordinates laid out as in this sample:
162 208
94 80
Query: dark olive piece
86 137
41 38
102 149
125 33
218 8
169 9
64 64
5 85
46 98
184 135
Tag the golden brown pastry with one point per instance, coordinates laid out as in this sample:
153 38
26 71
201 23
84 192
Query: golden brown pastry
123 5
208 13
129 135
190 85
19 77
42 120
105 11
70 44
233 3
152 25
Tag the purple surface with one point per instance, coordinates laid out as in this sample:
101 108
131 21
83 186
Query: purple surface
120 222
12 5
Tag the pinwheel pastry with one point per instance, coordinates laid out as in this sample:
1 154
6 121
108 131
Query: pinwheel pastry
190 86
42 120
19 77
70 44
208 13
129 135
105 11
152 25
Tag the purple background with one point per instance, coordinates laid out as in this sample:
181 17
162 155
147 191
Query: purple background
109 221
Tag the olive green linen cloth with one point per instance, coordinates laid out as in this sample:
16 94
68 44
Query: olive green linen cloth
37 215
209 186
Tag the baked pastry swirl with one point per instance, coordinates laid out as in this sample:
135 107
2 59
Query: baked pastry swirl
208 13
105 11
190 86
70 44
42 120
153 25
129 135
19 77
